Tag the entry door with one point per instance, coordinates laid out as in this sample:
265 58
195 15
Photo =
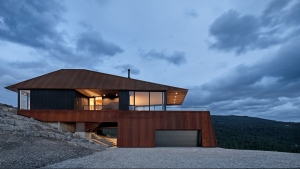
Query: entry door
177 138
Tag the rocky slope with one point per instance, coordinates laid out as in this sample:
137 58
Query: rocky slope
28 143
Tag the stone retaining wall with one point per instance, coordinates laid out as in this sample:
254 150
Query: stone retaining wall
11 123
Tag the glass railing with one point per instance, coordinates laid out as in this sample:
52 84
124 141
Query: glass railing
187 108
156 107
159 107
110 106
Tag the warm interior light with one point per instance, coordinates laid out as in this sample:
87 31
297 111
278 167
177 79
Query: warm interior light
116 94
176 92
175 96
104 95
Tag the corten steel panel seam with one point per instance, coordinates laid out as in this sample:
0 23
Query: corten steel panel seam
42 82
69 79
205 133
119 134
135 129
85 82
97 81
151 130
173 118
144 131
208 135
63 81
126 132
38 83
75 79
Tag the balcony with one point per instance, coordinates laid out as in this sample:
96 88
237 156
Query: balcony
110 106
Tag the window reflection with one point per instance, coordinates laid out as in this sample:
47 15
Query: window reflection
25 99
145 101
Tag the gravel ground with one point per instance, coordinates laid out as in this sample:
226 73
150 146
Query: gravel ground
31 152
182 158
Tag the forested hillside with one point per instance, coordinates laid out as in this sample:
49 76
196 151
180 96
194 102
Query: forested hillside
242 132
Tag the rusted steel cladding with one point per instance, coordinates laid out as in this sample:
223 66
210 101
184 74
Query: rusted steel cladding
135 128
86 81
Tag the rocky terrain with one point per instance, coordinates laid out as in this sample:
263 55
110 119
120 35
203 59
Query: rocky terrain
28 143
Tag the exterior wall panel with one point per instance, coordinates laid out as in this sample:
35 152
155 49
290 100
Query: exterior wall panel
136 128
123 100
45 99
80 101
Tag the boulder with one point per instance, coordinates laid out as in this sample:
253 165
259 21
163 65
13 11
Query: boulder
11 122
44 134
69 134
4 127
69 138
75 140
51 135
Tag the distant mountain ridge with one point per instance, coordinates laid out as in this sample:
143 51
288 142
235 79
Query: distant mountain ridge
251 133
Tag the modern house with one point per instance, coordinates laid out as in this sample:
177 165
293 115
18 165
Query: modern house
81 100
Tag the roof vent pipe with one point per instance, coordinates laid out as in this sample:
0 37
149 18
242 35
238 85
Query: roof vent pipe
128 73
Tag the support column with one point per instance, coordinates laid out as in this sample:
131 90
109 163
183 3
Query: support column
19 99
80 129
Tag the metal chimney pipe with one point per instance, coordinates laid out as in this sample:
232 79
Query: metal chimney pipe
128 73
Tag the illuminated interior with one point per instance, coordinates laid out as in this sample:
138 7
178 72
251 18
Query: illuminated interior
95 103
24 99
146 101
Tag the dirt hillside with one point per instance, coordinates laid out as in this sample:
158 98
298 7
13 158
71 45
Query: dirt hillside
28 143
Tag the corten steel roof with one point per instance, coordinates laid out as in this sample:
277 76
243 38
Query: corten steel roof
91 83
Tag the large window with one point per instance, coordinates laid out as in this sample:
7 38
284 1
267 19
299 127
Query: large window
154 101
95 103
24 99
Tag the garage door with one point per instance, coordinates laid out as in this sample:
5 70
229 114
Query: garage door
177 138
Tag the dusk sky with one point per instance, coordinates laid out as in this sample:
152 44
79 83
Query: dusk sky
236 57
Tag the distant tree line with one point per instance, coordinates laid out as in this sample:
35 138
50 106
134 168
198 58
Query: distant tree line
241 132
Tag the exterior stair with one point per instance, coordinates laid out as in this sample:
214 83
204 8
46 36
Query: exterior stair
91 126
109 142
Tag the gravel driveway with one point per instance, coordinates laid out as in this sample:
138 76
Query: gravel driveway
182 158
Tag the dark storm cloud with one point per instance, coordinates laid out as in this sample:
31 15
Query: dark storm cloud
177 58
30 23
262 88
276 6
34 24
293 15
235 32
93 43
9 76
28 65
124 69
240 33
276 77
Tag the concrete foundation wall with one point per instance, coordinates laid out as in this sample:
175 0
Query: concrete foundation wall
70 127
80 127
55 124
65 127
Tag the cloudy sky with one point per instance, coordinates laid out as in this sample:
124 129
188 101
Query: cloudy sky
235 57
